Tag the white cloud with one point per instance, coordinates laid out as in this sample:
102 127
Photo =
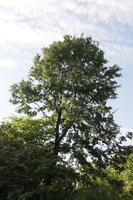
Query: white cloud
39 22
118 53
126 130
120 11
98 10
23 33
8 63
51 13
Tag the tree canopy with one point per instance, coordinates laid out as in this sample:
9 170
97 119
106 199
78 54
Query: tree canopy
68 138
70 85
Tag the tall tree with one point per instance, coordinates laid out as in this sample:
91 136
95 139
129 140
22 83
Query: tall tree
70 86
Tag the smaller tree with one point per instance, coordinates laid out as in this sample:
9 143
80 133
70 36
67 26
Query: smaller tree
127 176
27 169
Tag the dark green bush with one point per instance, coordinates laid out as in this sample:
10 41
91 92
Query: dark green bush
30 173
94 194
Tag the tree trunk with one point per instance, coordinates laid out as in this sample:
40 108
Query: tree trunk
57 135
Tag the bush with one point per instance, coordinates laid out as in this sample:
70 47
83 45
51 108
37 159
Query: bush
30 173
94 194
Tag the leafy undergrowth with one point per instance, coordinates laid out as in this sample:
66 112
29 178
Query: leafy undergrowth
95 194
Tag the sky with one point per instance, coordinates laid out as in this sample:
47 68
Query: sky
29 25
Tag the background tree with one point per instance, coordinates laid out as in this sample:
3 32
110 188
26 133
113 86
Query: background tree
127 176
27 164
70 85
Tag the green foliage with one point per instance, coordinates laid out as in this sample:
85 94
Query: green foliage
28 130
28 172
70 85
127 176
95 194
